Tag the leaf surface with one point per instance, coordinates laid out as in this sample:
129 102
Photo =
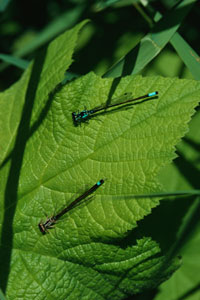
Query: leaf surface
47 162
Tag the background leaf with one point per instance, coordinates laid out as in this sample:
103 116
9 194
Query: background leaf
184 173
63 22
21 63
184 50
152 43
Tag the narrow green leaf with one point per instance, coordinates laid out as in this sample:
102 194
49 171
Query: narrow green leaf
2 297
4 4
152 43
18 62
63 22
187 54
103 4
166 194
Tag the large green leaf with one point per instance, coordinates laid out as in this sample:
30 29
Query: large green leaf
38 81
47 161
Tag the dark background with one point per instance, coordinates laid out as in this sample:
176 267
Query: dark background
110 34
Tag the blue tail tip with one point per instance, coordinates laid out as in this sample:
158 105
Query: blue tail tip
153 94
100 182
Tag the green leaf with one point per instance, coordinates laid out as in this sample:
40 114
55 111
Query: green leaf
183 284
185 173
186 53
63 22
4 4
151 45
2 297
53 61
46 161
103 4
18 62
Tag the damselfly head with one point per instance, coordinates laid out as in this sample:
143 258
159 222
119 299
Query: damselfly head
42 228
